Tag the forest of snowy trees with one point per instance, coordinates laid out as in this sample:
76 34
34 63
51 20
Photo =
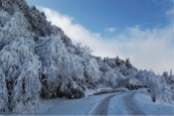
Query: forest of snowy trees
38 61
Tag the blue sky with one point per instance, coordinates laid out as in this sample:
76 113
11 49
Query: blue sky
141 30
97 15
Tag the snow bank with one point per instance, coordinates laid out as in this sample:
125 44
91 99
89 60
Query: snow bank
144 102
62 106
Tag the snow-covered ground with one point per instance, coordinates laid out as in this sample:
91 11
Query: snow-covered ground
121 103
143 102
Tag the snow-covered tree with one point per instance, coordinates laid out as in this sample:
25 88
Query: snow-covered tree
51 51
149 79
128 64
82 51
4 18
91 71
16 27
124 67
3 93
59 67
158 86
166 92
21 68
111 76
77 67
11 6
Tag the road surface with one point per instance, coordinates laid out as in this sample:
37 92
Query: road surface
128 105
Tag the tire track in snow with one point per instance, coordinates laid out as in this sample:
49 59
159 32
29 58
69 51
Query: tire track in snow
130 105
102 107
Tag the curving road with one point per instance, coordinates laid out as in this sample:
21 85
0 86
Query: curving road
126 100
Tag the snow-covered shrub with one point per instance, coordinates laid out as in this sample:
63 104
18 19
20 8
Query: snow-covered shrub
135 83
74 91
21 68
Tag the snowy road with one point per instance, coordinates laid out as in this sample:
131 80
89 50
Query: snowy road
130 106
121 103
102 107
127 105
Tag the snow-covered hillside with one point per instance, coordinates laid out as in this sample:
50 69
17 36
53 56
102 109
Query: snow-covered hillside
38 61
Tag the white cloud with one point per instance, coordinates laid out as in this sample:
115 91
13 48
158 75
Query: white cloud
110 29
147 49
170 12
